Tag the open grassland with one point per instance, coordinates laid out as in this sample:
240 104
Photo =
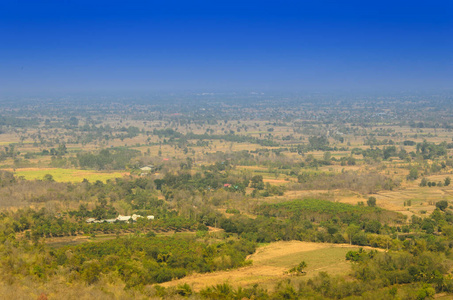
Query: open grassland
409 199
9 138
68 175
6 143
271 263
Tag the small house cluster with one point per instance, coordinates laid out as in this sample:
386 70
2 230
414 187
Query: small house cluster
120 218
146 170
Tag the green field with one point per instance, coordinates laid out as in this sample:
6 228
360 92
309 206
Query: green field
272 261
68 175
330 259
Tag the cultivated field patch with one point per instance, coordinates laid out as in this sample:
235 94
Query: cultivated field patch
68 175
271 263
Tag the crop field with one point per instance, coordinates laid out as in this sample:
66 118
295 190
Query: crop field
272 261
68 175
422 199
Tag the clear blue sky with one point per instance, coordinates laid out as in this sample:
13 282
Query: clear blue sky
96 46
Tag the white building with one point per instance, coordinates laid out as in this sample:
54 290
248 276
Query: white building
124 218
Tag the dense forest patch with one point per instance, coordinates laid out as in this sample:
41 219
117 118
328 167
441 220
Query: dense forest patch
317 210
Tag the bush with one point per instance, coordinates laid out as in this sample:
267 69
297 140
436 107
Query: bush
371 202
424 182
360 239
442 205
413 174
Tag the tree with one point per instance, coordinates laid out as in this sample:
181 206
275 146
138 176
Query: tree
257 182
48 177
318 142
351 231
442 205
62 150
447 181
373 226
299 269
424 182
332 230
413 174
73 121
91 271
359 239
371 202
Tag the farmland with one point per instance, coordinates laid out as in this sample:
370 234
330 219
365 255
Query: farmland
242 202
272 262
67 175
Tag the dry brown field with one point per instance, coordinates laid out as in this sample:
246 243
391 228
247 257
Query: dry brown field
271 262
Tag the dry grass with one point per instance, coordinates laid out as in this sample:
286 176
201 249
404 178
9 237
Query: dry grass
276 181
271 262
59 288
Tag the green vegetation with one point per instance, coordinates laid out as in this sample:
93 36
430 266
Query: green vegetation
117 159
141 260
319 210
299 269
110 200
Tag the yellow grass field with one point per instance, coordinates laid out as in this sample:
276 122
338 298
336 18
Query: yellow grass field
68 175
271 262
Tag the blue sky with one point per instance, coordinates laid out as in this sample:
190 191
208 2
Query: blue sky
142 46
